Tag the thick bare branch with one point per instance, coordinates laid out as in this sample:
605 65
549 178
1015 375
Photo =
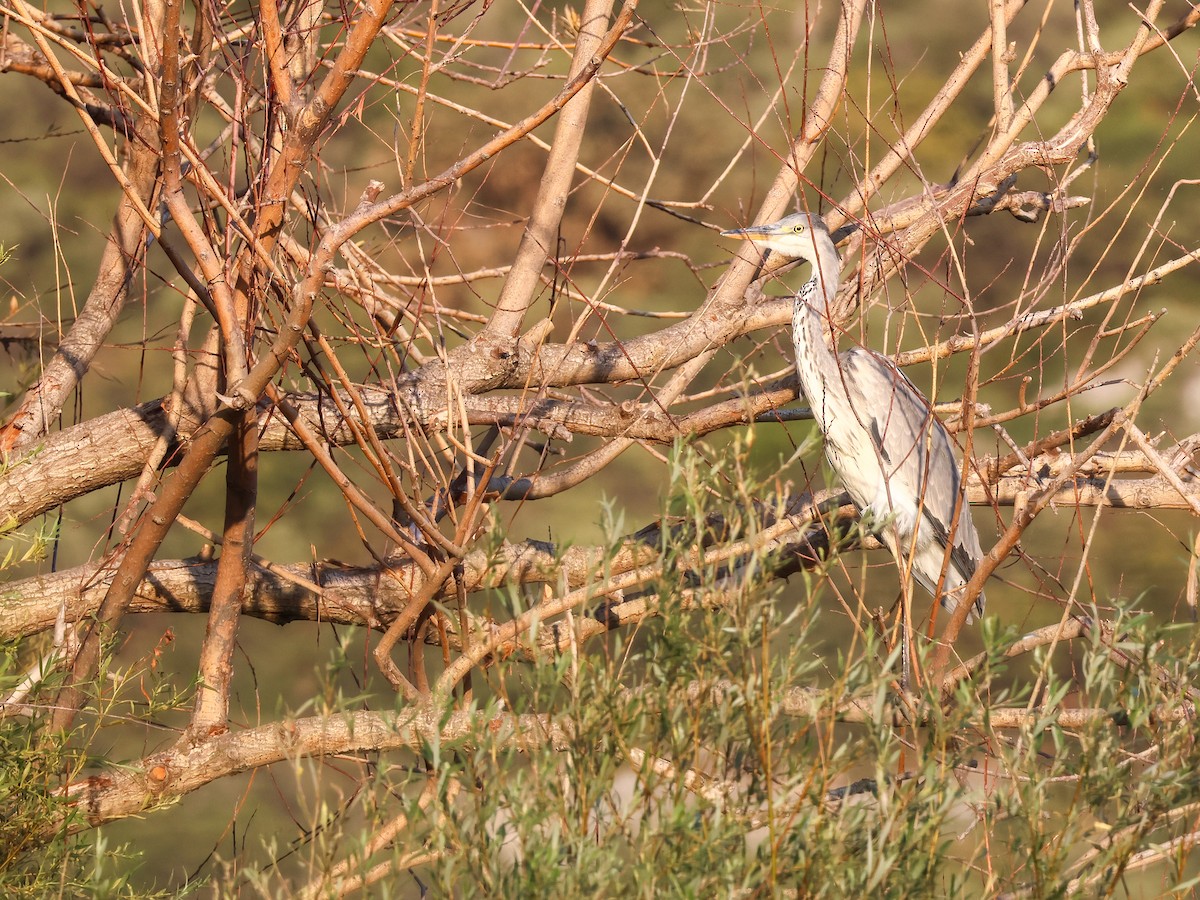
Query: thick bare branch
540 237
162 777
119 262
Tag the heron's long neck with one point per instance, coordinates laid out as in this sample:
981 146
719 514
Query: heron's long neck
816 354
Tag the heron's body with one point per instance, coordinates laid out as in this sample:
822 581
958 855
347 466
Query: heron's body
891 452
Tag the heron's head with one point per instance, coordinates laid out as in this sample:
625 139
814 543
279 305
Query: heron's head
798 236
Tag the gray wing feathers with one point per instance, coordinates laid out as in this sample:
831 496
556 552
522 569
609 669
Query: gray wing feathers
917 451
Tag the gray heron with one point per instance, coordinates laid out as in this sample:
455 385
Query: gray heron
883 440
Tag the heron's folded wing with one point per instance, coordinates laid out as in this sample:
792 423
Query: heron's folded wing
915 449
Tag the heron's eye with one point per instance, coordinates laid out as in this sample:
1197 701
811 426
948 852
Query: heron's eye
799 229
